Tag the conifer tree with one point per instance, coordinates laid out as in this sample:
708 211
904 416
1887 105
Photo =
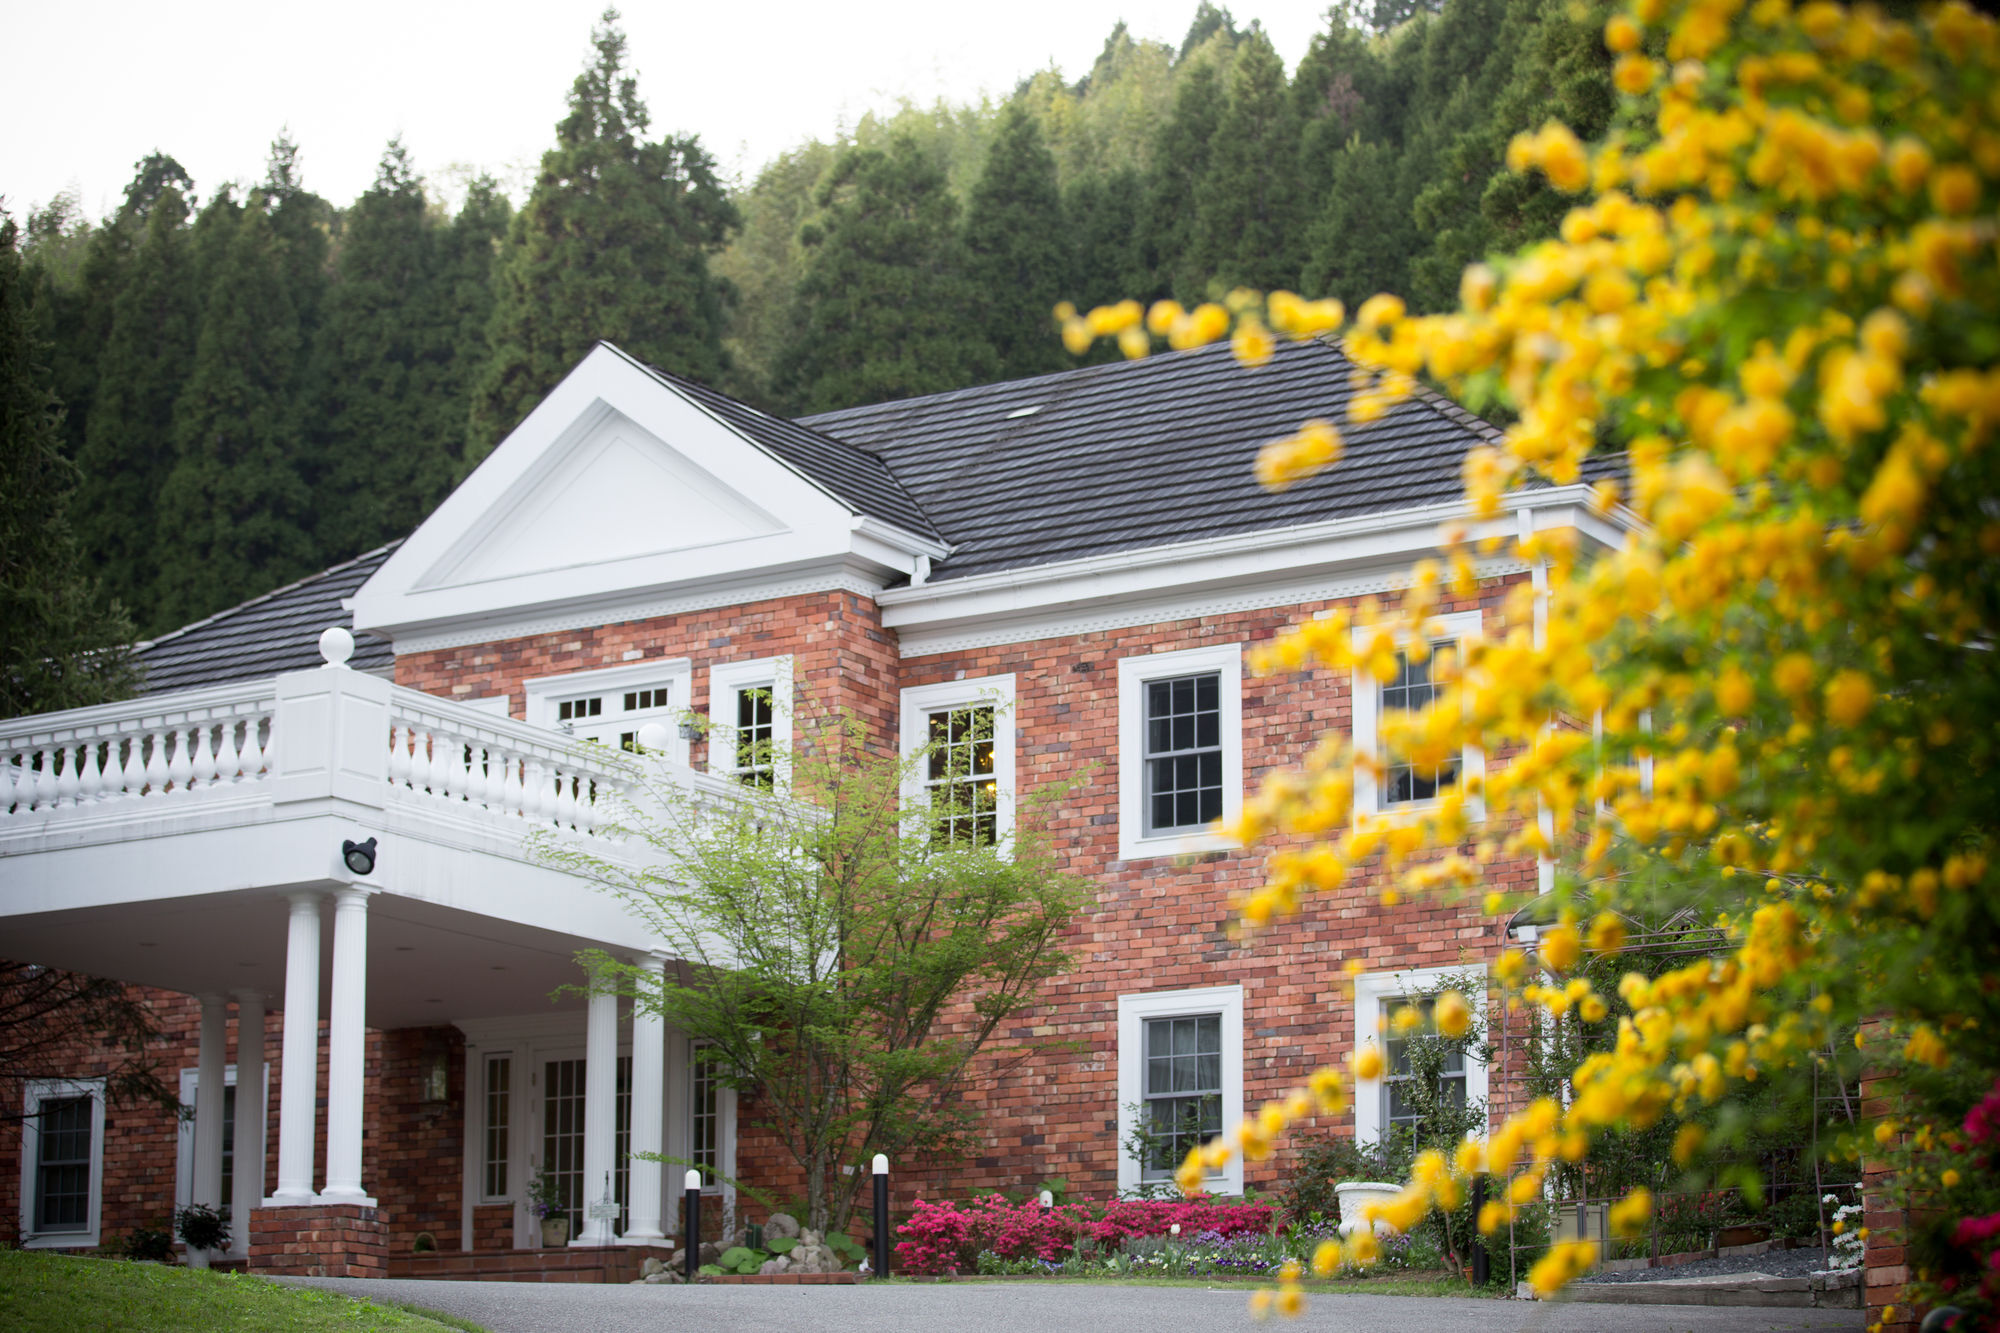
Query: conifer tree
1017 258
1180 169
128 448
1246 220
1101 215
393 359
235 512
61 646
613 244
884 307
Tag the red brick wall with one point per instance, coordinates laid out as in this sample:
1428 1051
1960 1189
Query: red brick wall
325 1240
842 656
413 1152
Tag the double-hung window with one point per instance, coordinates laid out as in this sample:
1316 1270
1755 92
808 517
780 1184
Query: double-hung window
1398 1106
1388 1007
964 730
62 1162
1405 782
1180 1081
1180 750
498 1127
750 712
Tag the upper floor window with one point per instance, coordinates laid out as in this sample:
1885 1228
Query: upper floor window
609 706
1413 688
965 731
1180 750
750 714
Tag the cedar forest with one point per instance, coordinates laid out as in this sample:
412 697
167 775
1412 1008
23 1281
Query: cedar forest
256 383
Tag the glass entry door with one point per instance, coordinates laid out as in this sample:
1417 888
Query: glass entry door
562 1139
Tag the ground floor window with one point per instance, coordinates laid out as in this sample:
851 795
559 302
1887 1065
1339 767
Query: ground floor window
1180 1081
62 1162
499 1125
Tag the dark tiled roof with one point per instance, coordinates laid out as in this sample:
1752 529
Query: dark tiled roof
1147 453
858 478
265 635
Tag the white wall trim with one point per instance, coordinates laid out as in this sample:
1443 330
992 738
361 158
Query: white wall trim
1366 712
38 1091
1226 660
239 1245
919 701
1371 990
1133 1011
725 681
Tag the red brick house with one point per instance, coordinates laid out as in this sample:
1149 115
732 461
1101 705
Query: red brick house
1084 554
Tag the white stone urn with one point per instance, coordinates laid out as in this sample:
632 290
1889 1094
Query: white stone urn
1355 1196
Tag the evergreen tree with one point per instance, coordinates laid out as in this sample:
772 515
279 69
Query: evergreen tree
384 361
235 513
1210 25
128 449
1361 242
1180 169
468 259
613 244
762 266
1246 223
1101 214
61 646
1017 258
884 307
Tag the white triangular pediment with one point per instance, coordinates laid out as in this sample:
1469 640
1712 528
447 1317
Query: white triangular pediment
621 491
612 492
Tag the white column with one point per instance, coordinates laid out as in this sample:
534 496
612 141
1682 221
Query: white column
298 1092
347 1049
649 1073
248 1182
211 1077
600 1125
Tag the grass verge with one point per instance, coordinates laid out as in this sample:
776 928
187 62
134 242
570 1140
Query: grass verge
56 1293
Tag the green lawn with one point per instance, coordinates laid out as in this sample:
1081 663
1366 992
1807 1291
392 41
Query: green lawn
53 1293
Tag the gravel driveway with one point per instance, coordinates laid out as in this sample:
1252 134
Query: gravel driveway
1023 1307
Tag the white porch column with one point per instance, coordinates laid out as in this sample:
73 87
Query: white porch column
600 1124
346 1049
211 1075
298 1093
649 1072
248 1181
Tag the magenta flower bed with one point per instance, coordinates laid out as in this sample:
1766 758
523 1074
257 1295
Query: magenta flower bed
945 1237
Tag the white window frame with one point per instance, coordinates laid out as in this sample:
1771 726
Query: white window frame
917 704
728 681
41 1090
1134 843
1133 1011
1459 627
1373 991
725 1134
516 1104
545 692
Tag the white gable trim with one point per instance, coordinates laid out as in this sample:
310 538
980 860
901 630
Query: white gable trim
518 541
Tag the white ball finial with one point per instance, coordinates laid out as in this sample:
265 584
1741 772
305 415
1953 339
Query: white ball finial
336 645
654 738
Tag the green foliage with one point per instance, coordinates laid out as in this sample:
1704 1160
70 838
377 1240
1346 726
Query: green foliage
828 934
202 1227
613 245
885 306
61 646
1246 215
1017 259
1180 169
1323 1163
148 1244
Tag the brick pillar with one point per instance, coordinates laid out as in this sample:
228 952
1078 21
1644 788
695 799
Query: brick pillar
1885 1270
321 1240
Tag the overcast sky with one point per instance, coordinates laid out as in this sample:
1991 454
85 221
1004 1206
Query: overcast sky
93 85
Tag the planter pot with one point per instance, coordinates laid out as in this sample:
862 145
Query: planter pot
555 1232
1355 1196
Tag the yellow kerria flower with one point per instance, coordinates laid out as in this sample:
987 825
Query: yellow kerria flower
1368 1061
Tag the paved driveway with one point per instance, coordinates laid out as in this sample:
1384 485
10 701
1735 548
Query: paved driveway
1028 1307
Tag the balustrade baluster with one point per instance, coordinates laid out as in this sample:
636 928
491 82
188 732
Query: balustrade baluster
132 776
47 790
256 752
89 780
156 763
66 783
399 755
180 767
510 784
496 779
204 758
535 790
227 761
6 784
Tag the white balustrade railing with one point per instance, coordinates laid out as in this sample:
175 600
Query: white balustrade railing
160 747
456 755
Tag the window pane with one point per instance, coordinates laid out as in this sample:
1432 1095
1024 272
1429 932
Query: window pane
1184 744
62 1175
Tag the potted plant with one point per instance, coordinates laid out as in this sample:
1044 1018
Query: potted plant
546 1202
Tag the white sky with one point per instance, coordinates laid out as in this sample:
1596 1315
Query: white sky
91 86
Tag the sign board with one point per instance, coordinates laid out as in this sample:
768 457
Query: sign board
604 1211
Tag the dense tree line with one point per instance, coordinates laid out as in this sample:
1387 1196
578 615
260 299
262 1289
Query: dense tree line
258 383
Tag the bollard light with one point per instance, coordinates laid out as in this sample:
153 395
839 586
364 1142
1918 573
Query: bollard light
1049 1201
692 1229
881 1214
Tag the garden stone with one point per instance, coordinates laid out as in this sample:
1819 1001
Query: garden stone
709 1253
781 1226
771 1267
650 1267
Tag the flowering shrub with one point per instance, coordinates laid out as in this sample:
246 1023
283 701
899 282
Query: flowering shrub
950 1238
1848 1237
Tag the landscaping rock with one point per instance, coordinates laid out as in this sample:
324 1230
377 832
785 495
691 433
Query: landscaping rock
781 1226
770 1267
710 1252
650 1267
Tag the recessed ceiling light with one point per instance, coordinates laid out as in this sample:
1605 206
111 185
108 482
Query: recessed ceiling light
149 944
499 967
434 1000
405 948
246 965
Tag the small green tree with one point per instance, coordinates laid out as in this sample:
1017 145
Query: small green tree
845 957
